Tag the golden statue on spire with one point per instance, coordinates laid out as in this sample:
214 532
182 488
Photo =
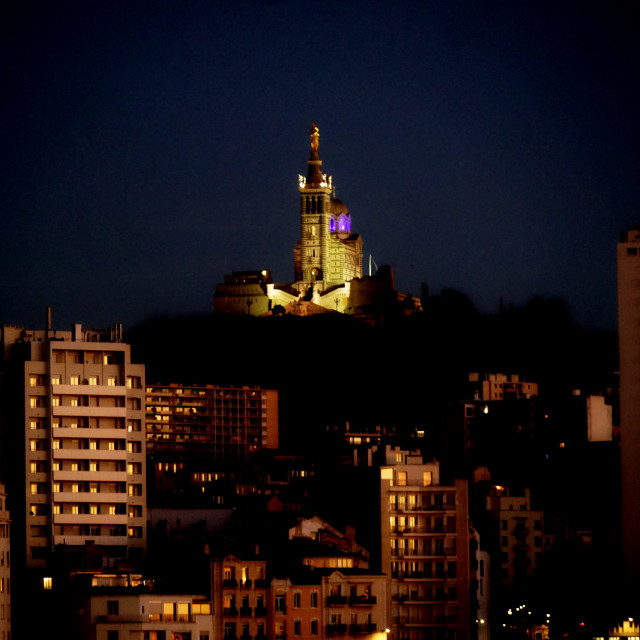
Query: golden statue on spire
315 137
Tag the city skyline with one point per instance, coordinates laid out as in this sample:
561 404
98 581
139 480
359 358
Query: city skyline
151 150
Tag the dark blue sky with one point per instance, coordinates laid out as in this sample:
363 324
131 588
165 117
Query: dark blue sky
151 146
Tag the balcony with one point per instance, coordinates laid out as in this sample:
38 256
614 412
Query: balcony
261 612
359 629
362 600
170 617
230 583
245 611
230 611
336 601
336 629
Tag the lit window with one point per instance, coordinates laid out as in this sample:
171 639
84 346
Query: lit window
93 380
93 444
112 510
74 466
33 424
111 445
55 401
34 488
75 488
74 380
55 444
111 381
74 402
55 379
33 381
56 509
401 478
93 466
47 583
426 478
56 487
56 466
75 509
93 509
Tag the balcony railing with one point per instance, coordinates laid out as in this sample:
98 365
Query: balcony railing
362 600
336 629
357 629
245 611
333 601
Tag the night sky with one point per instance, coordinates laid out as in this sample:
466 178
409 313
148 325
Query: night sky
150 147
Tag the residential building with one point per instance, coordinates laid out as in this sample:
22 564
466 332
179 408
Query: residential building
240 595
499 386
74 408
5 567
518 536
195 432
425 549
119 614
629 344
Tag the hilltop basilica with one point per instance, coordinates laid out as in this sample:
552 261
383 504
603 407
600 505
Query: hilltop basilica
327 261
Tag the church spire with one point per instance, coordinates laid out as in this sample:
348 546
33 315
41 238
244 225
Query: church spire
314 173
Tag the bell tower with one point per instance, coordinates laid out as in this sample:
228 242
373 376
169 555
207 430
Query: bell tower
311 254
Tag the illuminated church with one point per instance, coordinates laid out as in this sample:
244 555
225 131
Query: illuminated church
327 263
327 257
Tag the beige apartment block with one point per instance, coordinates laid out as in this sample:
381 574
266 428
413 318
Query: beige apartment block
121 615
83 448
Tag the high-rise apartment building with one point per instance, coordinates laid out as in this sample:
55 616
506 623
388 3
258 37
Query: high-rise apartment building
74 446
629 344
425 549
195 432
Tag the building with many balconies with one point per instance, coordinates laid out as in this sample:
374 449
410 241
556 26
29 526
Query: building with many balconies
73 438
425 549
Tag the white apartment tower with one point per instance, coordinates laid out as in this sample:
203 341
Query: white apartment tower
81 405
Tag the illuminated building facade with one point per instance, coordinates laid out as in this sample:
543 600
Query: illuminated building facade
499 386
80 402
149 616
425 549
327 257
327 254
240 598
329 604
193 432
